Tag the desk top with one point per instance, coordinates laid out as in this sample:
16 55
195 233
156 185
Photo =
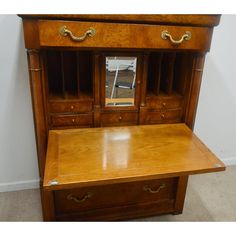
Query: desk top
172 19
94 156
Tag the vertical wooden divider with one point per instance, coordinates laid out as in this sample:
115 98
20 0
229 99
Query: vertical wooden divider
157 76
96 88
63 75
167 75
144 79
142 109
78 73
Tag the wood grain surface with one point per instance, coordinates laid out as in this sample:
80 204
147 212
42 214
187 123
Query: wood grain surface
85 157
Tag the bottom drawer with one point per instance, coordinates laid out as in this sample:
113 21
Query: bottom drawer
121 212
81 120
114 195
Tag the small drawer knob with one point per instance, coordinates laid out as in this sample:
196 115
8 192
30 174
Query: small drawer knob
120 118
73 120
163 116
72 107
163 104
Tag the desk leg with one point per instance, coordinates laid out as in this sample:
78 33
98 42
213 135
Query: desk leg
180 194
47 205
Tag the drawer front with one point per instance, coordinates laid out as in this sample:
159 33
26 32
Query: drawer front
87 198
164 102
115 35
82 120
70 107
119 118
165 116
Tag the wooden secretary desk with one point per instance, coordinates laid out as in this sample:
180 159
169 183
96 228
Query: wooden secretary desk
114 100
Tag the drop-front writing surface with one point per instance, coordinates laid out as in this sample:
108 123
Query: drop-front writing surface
84 157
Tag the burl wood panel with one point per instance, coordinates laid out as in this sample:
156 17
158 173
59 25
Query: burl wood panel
90 157
117 35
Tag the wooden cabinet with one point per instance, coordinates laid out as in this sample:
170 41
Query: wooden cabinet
114 100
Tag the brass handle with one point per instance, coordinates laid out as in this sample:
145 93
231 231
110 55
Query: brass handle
163 116
64 32
73 120
165 35
70 197
150 190
120 118
72 107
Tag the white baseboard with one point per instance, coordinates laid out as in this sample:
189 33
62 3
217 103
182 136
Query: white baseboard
19 185
229 161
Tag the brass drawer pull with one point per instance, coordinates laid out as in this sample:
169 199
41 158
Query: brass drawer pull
70 197
64 32
150 190
165 35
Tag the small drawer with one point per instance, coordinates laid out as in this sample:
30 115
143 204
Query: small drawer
91 198
82 120
70 107
159 102
119 118
117 35
165 116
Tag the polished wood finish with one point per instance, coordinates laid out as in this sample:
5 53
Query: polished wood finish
112 36
113 195
119 118
165 116
164 102
79 120
180 195
68 91
70 107
121 154
194 90
121 212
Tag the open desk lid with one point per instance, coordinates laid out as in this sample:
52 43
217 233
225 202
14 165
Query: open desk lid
95 156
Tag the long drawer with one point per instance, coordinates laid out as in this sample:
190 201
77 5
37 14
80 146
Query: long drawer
119 35
114 195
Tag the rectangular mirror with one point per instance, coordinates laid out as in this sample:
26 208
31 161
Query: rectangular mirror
120 81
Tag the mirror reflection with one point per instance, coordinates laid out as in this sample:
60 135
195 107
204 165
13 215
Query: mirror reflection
120 81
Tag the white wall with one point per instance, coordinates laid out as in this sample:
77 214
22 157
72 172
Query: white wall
216 115
215 121
18 163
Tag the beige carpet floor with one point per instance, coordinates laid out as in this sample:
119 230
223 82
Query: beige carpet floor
210 197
